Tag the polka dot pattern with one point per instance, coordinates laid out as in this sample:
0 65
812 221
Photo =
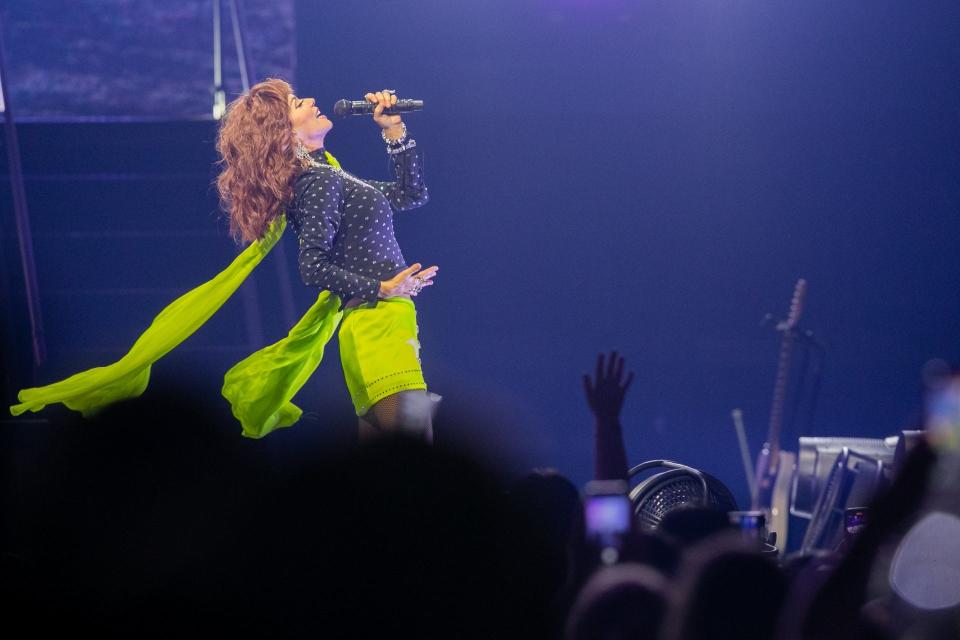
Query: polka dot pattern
345 224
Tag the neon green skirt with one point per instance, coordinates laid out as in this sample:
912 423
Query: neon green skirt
379 351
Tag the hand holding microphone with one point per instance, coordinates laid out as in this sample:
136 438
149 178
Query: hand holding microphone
390 123
386 109
345 107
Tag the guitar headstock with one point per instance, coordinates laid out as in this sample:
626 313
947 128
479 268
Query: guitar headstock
796 305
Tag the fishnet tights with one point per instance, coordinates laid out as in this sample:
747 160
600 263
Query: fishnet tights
408 412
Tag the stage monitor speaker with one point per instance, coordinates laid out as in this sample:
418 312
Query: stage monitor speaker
816 460
679 487
853 481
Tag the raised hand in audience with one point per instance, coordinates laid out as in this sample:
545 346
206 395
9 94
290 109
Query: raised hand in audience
605 394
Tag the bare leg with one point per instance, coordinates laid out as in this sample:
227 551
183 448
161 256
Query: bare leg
409 412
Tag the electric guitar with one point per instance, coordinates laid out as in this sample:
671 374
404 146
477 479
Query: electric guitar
775 467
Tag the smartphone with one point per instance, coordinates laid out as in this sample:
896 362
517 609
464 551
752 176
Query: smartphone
609 516
943 413
854 520
943 433
752 524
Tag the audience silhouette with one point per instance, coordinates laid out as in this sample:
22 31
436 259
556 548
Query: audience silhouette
155 519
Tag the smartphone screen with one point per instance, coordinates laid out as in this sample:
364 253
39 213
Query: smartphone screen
943 413
750 523
608 517
854 519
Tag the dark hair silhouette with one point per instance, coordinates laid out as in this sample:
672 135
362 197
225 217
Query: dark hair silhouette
620 602
725 589
689 525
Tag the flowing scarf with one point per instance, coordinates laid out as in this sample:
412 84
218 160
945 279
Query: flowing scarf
259 388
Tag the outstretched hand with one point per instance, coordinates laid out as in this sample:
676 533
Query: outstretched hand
408 282
605 392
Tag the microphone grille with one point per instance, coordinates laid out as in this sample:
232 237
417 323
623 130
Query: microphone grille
342 108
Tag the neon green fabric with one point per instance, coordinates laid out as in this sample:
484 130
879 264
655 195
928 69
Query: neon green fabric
379 351
92 390
259 388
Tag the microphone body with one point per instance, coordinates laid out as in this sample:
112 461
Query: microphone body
362 107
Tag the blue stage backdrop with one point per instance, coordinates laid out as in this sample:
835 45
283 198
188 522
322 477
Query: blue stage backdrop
646 176
70 59
654 177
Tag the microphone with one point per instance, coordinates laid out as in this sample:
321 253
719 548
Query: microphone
362 107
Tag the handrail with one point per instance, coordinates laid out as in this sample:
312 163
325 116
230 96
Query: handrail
22 216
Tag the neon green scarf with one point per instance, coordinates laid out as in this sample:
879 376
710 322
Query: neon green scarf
259 388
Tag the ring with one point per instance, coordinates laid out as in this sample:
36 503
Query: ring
390 91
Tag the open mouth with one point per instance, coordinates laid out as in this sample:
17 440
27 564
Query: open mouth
319 115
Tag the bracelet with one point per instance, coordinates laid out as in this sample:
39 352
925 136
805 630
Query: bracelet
410 144
398 141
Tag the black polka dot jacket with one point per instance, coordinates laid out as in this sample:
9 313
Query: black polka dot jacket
345 224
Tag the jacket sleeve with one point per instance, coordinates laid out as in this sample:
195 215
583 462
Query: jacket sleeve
320 195
408 190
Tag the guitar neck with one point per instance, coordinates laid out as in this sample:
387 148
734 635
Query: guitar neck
766 464
775 424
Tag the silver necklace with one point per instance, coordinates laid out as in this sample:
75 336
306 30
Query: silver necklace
341 172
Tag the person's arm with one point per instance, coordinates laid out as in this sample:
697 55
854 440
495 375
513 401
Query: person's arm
319 195
319 209
605 395
408 190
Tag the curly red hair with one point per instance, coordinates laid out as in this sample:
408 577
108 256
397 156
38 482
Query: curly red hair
257 147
